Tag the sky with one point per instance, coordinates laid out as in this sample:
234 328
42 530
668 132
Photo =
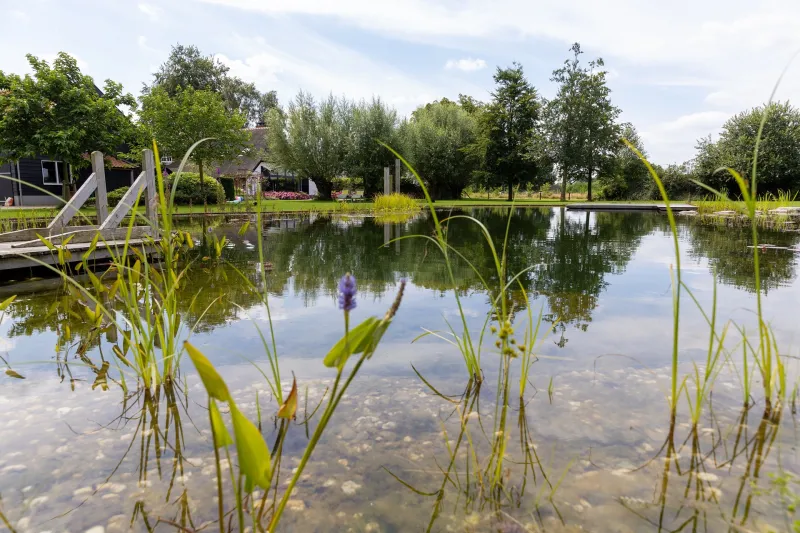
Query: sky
677 69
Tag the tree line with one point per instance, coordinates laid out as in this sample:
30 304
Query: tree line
516 140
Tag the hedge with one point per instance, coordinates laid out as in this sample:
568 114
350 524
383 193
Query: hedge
228 187
189 191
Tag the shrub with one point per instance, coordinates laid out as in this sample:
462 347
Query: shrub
395 202
286 195
228 187
116 195
189 190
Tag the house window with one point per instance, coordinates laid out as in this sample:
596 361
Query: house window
52 172
166 159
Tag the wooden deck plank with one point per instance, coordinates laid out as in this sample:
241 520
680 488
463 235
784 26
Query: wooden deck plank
10 258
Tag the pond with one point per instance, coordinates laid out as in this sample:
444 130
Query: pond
590 444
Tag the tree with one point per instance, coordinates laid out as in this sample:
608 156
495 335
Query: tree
778 153
177 122
477 150
310 139
582 128
435 139
60 112
625 175
188 67
370 122
511 118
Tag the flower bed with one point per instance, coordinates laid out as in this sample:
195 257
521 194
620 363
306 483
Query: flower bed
285 195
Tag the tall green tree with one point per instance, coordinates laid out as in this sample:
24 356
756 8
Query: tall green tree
435 141
369 123
310 139
580 121
178 121
625 175
511 118
778 152
187 67
59 112
477 150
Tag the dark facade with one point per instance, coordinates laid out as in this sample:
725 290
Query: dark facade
43 177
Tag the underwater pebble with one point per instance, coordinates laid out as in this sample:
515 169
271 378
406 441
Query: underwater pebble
389 425
408 439
112 487
36 502
330 482
372 527
85 491
350 487
341 514
24 522
296 505
343 462
707 476
96 529
63 410
14 468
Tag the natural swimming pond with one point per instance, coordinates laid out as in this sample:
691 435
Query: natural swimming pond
413 446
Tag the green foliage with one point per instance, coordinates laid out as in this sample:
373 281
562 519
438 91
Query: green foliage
228 186
310 139
395 202
60 112
116 195
370 122
581 134
186 67
778 154
434 140
509 123
189 190
625 174
178 121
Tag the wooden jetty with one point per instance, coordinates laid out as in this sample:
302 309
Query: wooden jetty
630 207
24 248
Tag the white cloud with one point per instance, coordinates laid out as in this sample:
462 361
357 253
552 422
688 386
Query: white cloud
154 12
19 16
143 44
466 65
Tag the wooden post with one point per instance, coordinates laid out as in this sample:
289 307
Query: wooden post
397 169
387 233
387 186
100 195
151 195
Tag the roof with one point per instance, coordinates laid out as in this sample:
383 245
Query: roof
116 163
247 162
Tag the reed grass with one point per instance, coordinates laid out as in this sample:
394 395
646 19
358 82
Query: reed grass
395 202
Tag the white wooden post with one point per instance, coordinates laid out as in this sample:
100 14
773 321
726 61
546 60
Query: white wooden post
100 196
387 186
124 205
151 195
397 168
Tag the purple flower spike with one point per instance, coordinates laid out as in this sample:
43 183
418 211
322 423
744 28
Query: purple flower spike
347 293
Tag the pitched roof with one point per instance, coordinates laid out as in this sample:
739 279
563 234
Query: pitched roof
249 159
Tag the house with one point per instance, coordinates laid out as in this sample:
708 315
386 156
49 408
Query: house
41 175
249 170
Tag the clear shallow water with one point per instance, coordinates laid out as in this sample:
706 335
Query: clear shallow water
602 279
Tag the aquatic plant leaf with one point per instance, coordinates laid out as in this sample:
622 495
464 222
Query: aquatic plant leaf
356 342
46 242
254 456
102 377
5 303
289 407
212 381
120 356
14 374
136 272
244 228
222 438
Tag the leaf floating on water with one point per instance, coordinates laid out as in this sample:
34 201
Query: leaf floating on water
221 435
14 374
289 408
212 381
254 456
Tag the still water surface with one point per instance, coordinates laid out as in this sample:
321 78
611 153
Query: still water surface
591 445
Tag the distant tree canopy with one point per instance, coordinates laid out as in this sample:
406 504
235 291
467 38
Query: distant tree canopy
434 141
58 111
778 165
187 67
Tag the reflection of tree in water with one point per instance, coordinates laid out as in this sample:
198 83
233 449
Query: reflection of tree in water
727 252
573 263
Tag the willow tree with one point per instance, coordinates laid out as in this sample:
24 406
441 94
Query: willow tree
310 139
